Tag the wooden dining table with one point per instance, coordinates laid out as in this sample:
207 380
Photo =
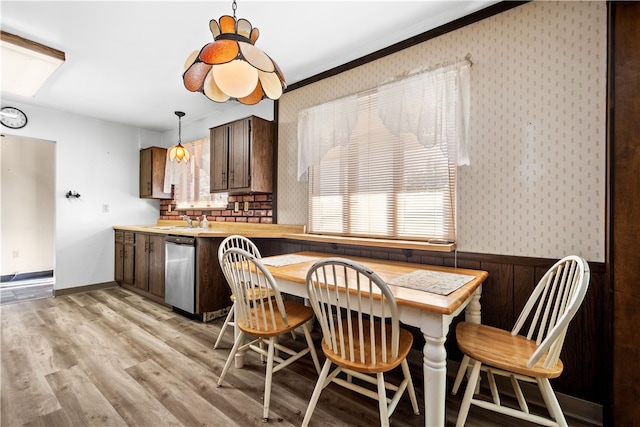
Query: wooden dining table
432 313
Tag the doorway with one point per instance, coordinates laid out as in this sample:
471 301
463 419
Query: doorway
27 218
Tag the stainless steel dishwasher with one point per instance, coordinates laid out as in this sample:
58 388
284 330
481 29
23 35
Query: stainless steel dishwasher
180 273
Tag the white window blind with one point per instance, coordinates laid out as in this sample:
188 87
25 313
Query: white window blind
394 174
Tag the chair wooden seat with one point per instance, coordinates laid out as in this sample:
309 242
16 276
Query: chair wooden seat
534 358
259 293
404 346
501 349
297 314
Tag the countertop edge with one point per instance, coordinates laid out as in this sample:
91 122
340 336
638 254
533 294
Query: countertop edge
282 231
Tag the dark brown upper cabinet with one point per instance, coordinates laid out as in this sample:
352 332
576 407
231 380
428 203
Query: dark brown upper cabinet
152 163
242 157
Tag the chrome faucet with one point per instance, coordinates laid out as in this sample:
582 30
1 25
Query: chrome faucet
186 218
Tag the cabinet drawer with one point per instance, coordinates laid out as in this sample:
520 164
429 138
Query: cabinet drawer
129 237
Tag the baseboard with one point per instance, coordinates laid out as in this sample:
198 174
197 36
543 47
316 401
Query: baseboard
26 276
95 287
571 406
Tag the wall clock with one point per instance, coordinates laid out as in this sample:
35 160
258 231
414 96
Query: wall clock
13 118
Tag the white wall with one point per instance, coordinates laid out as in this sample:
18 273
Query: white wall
99 160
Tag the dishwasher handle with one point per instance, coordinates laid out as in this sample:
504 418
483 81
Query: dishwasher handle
180 240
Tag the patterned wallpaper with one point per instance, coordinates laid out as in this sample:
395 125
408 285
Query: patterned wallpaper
536 184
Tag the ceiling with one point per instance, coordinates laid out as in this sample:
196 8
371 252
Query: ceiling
125 59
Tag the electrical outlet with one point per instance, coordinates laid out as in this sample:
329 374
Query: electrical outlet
16 254
105 208
236 206
246 206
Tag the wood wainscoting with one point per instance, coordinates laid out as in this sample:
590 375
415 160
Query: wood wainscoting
504 293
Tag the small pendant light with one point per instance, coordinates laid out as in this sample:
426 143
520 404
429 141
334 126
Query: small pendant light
178 152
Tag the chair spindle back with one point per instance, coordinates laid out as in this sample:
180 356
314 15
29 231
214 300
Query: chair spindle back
551 306
368 300
251 284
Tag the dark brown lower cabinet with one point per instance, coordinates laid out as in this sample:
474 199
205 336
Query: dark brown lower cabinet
149 263
140 266
124 257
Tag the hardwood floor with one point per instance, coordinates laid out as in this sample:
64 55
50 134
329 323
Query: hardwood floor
112 358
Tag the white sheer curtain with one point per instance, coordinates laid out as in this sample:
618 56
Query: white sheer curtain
323 127
172 173
428 104
434 106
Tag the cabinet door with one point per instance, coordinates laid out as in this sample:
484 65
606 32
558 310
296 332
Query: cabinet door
128 258
156 265
219 158
152 165
141 276
239 154
146 170
118 273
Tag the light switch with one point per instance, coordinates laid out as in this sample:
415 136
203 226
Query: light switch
236 206
246 206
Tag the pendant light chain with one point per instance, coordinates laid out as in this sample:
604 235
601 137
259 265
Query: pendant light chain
179 129
234 6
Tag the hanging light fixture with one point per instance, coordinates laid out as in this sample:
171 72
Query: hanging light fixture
178 152
231 67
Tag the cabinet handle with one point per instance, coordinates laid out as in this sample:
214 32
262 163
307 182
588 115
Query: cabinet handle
231 176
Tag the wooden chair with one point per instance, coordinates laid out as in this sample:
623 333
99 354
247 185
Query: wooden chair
234 241
361 333
533 358
265 319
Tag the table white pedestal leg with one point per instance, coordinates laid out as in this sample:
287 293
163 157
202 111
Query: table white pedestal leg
435 380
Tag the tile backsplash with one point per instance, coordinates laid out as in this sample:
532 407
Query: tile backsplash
260 210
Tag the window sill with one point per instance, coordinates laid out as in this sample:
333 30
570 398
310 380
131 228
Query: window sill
380 243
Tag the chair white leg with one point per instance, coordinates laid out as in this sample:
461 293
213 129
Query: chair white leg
267 381
316 392
227 320
382 401
551 401
462 370
410 389
468 394
232 354
312 348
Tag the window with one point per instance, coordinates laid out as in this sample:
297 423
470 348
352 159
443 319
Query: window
391 170
191 180
381 185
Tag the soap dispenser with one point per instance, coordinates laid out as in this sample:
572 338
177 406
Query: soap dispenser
205 222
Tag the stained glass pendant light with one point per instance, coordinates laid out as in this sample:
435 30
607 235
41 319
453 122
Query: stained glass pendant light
178 152
231 67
